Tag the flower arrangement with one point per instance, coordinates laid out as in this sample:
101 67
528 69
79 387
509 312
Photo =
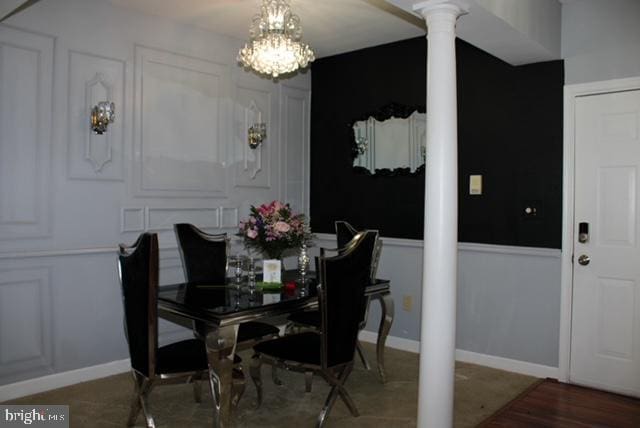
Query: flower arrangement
273 228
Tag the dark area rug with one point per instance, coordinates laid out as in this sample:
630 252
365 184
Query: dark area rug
479 392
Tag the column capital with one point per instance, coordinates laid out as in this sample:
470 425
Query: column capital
456 7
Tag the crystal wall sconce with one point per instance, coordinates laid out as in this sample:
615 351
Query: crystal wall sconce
102 114
257 134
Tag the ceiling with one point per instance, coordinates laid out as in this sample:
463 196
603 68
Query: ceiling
329 26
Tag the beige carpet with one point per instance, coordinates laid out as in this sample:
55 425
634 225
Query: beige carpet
480 391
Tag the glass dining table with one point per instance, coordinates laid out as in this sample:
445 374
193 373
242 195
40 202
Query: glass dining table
220 309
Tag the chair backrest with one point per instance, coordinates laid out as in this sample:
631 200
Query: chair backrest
345 233
138 272
343 279
204 256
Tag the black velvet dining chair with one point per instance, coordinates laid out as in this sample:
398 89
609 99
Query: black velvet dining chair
328 352
204 258
311 319
151 365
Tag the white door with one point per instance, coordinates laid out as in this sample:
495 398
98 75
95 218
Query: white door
605 326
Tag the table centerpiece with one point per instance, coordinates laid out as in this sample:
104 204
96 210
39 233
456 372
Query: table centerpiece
272 230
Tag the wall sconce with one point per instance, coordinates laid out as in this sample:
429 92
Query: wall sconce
102 114
257 134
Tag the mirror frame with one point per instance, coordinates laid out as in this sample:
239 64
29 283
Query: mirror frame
385 112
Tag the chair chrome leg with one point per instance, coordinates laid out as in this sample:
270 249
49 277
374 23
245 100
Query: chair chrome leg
328 404
308 380
135 401
343 392
256 376
288 329
274 376
238 386
365 363
197 386
145 389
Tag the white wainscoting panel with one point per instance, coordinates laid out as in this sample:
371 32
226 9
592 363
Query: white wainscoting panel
26 71
165 218
132 220
228 217
93 79
25 307
508 298
295 105
509 302
253 166
184 158
68 197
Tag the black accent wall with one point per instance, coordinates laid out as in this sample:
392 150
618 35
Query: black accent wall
509 130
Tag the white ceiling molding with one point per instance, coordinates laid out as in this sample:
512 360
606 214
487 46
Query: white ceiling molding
329 26
518 32
521 32
11 7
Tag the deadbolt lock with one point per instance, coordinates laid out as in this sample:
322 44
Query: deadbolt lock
584 260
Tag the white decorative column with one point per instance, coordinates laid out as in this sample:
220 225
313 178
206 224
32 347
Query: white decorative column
438 329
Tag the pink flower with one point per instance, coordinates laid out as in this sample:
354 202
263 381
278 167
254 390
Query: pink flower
281 227
251 233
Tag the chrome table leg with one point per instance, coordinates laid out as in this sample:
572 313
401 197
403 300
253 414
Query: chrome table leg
386 319
221 346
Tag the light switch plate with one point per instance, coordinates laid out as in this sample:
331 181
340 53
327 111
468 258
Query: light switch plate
475 184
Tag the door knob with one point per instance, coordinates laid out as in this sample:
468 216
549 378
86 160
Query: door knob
584 260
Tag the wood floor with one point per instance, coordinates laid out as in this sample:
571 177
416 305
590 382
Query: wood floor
553 404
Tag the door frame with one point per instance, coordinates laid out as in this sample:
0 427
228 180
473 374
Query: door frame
571 95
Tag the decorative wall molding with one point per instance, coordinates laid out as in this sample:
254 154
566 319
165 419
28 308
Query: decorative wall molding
228 217
179 148
132 220
25 301
71 252
17 255
294 135
465 246
253 166
165 218
95 78
26 84
509 249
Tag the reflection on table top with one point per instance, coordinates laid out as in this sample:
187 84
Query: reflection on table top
230 303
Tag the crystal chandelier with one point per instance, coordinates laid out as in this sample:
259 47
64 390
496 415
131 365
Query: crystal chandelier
274 46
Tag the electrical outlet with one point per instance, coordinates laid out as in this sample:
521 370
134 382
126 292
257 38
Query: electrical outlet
407 303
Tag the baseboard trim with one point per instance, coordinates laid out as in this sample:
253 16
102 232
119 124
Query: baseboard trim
59 380
501 363
394 342
516 366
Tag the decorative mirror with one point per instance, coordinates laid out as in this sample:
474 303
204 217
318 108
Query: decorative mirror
390 141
